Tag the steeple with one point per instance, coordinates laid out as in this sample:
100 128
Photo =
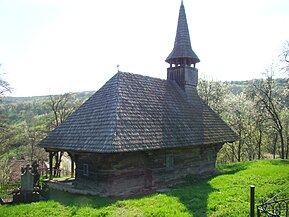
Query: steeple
182 52
182 57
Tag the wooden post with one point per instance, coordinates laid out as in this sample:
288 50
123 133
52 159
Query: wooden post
72 166
252 200
50 165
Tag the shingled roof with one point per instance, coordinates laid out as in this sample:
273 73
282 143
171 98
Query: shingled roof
182 47
136 113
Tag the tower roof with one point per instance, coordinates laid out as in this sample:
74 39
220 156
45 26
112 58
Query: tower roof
182 47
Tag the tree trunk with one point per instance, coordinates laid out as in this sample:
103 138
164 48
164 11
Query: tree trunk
287 149
32 152
282 143
233 153
58 157
275 145
240 143
287 138
259 144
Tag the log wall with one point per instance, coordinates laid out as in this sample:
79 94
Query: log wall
136 173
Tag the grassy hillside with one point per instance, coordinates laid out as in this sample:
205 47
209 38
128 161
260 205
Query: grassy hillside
224 195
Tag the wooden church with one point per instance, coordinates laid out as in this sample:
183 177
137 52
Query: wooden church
138 134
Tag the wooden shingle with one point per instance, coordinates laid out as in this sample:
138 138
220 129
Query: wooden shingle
137 113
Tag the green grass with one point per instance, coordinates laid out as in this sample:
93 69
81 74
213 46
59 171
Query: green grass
224 195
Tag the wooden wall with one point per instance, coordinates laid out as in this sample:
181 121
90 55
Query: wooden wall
136 173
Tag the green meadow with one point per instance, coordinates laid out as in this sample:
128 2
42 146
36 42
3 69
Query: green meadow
226 194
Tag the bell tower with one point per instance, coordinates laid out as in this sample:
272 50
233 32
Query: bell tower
183 59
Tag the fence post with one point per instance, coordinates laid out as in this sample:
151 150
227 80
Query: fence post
252 200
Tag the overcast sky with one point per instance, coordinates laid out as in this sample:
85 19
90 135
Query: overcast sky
58 46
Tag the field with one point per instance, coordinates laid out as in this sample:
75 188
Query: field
226 194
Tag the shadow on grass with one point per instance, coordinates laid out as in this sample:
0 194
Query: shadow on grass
195 194
279 162
69 199
232 168
194 197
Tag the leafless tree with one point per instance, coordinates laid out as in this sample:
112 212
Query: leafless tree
264 93
61 107
34 136
4 85
5 171
284 58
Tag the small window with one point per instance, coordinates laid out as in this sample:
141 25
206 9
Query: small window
210 156
169 161
85 169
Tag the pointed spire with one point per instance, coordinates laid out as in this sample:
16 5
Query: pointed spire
182 52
